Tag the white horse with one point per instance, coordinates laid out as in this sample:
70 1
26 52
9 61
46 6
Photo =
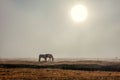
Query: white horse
45 56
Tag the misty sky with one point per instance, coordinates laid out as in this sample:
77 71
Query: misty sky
31 27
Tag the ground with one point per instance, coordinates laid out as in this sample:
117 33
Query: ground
16 72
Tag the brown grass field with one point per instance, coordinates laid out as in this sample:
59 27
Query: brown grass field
33 70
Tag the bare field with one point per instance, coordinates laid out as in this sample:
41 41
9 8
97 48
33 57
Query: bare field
62 70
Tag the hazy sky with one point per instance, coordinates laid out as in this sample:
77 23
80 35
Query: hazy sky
31 27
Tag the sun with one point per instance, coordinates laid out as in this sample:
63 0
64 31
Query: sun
79 13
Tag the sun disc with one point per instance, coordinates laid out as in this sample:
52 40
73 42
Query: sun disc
79 13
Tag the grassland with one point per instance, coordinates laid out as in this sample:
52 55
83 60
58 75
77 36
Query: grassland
62 70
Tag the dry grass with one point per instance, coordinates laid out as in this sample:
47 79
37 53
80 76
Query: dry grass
55 74
31 70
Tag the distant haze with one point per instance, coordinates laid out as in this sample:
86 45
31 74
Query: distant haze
31 27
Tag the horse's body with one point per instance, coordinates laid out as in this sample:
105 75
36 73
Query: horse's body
45 56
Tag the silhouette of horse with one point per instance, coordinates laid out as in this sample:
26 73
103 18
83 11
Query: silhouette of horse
45 56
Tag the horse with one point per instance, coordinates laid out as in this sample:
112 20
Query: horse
45 56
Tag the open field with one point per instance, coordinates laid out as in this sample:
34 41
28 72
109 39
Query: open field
55 74
61 70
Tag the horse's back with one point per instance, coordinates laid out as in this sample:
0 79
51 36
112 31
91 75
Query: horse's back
42 55
49 55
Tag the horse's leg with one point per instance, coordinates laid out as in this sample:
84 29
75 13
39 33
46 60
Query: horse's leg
45 59
52 58
49 59
39 59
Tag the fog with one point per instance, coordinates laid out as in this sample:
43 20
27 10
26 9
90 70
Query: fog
32 27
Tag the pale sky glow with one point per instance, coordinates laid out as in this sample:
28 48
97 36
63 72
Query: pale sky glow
31 27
